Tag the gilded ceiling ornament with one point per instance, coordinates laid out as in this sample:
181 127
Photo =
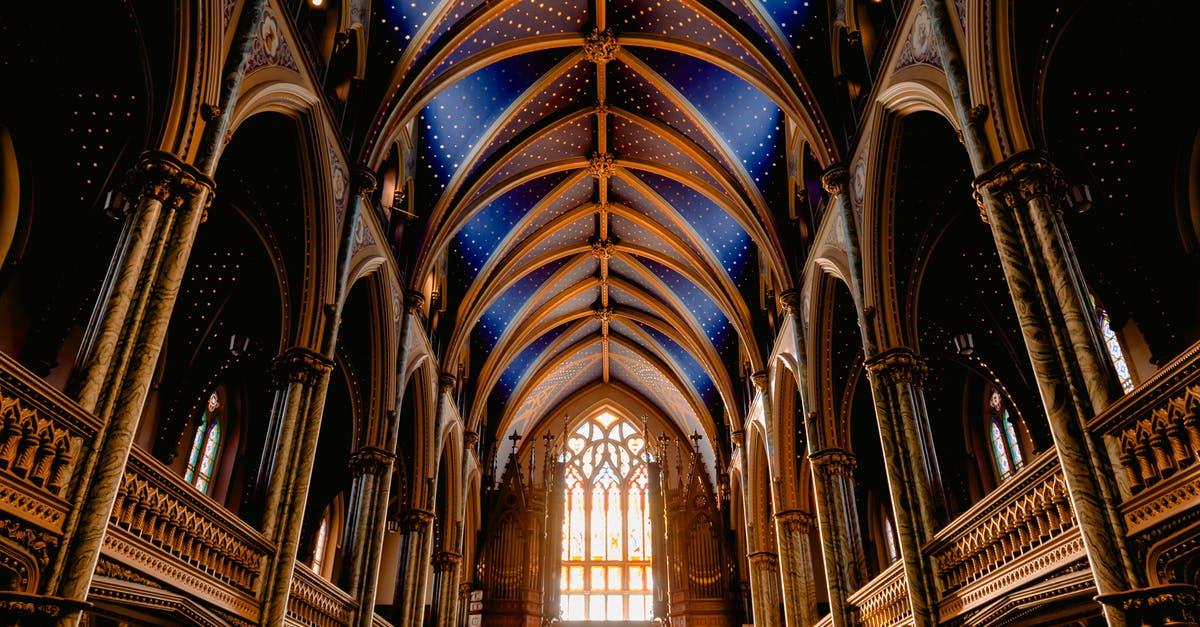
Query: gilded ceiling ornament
835 180
603 248
600 46
603 314
602 166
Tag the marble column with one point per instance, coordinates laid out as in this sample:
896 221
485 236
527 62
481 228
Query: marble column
371 469
764 588
104 465
303 377
896 378
796 567
446 574
416 529
1020 198
464 602
837 521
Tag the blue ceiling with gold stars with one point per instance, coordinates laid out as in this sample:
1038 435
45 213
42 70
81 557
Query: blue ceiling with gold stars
597 183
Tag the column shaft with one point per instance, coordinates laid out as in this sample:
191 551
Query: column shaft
837 522
446 575
415 548
796 568
764 588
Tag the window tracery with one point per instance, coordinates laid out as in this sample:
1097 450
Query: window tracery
606 568
206 444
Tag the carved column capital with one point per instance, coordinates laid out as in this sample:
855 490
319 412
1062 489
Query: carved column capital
835 179
413 520
364 180
446 560
447 381
739 438
790 301
162 176
465 589
760 380
1016 180
371 461
600 46
1157 605
413 300
299 365
763 560
899 365
796 520
834 462
470 438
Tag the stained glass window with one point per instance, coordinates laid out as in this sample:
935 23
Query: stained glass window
205 446
1002 434
606 532
889 537
1115 352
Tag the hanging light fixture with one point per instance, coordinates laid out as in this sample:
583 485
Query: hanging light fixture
964 343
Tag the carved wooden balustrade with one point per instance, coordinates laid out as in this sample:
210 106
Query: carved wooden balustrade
42 435
1154 433
1020 533
163 526
315 601
883 602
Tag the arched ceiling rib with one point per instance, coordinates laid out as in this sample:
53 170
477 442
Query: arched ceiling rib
601 183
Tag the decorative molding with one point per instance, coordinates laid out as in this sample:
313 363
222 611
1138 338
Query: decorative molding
371 461
600 46
835 180
921 45
299 365
899 366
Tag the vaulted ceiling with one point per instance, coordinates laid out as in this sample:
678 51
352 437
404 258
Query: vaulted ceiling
604 187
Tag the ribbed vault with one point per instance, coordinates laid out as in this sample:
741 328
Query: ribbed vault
597 183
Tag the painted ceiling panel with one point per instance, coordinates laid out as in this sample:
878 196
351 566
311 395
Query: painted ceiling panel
673 18
501 313
700 304
629 90
690 370
560 202
484 233
623 192
723 236
574 234
619 268
524 18
631 139
634 234
581 273
455 120
525 360
570 140
746 118
570 89
582 369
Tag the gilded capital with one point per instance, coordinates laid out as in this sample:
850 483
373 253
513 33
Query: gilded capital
162 176
835 179
739 438
447 381
763 560
899 365
446 560
760 379
371 461
299 365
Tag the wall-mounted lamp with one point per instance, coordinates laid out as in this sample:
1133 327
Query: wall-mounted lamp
1079 197
964 344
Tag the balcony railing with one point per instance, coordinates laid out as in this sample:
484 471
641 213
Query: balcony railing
883 602
316 601
1018 534
1154 432
163 526
42 435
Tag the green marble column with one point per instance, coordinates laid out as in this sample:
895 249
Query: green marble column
305 375
83 533
371 469
446 573
416 527
895 376
796 567
764 588
837 522
1020 197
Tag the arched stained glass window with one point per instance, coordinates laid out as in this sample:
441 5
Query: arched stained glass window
606 571
889 538
1116 353
1002 434
205 446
